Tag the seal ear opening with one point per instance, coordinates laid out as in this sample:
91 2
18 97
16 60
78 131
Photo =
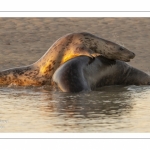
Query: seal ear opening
106 61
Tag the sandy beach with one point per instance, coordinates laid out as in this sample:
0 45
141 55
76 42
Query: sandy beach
24 40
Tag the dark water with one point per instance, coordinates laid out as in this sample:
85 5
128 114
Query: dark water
108 109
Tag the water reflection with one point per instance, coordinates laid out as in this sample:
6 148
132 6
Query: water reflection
108 109
107 102
90 111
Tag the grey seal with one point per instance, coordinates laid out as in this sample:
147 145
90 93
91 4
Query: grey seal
85 74
65 48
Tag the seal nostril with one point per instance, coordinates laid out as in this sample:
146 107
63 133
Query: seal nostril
121 48
133 54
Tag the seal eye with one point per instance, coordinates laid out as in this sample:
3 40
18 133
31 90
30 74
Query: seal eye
121 48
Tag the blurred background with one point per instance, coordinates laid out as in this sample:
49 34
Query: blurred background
24 40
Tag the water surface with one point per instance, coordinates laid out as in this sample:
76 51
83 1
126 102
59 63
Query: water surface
108 109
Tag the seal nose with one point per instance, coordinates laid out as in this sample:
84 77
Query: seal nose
132 55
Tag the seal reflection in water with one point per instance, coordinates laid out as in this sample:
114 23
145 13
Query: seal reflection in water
65 48
85 74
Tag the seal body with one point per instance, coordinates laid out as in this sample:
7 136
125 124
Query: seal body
83 74
70 76
65 48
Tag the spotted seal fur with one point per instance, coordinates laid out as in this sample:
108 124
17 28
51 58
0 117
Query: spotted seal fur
65 48
82 74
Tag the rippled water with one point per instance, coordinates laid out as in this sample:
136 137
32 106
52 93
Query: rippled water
109 109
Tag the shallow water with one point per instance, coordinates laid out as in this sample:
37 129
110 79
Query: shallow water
108 109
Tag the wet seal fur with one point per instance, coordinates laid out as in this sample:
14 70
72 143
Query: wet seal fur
81 74
65 48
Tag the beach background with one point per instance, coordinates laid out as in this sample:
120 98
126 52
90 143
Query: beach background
24 40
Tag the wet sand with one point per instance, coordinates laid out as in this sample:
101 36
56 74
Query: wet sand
24 40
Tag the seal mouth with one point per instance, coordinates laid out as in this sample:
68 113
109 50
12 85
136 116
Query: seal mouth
128 57
125 59
128 60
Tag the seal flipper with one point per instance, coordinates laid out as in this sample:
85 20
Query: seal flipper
70 77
